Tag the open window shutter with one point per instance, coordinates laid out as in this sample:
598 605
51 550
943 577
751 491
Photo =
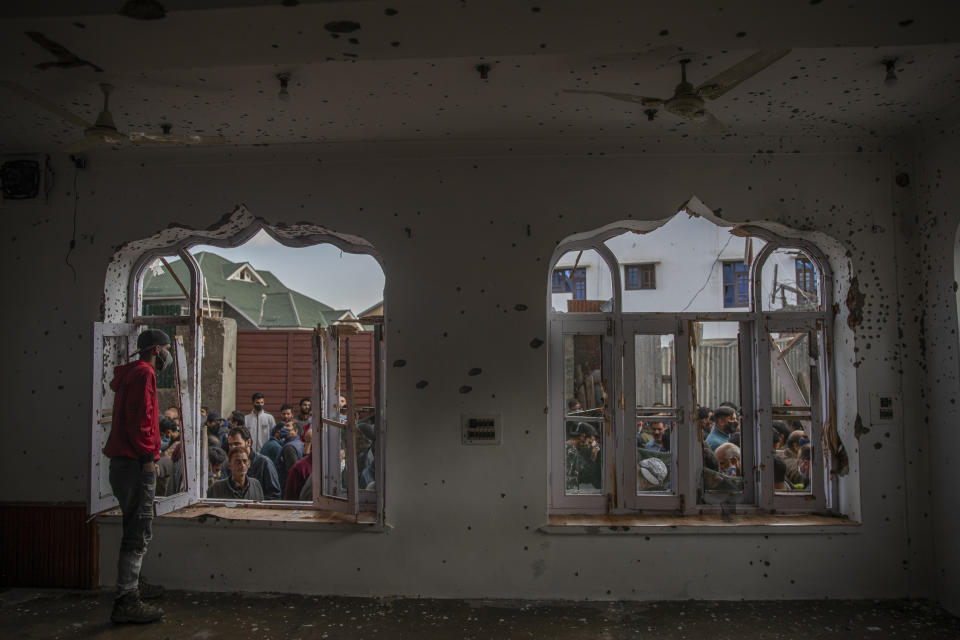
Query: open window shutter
380 401
111 345
329 436
189 433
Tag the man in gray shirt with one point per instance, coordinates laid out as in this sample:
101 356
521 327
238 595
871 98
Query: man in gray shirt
259 423
238 486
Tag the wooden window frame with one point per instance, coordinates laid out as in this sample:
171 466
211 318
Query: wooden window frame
642 283
739 300
194 433
756 363
572 278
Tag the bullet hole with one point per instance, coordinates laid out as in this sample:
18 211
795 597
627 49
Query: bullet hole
275 46
543 45
399 363
390 12
854 304
665 32
536 343
444 334
906 23
408 231
813 2
877 445
528 231
503 495
465 389
354 41
741 34
520 307
79 25
60 387
422 384
342 26
475 371
395 44
535 9
902 179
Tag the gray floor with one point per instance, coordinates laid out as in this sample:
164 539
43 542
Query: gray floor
38 613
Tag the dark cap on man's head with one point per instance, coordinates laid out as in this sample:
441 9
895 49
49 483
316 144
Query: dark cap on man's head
213 416
585 429
152 338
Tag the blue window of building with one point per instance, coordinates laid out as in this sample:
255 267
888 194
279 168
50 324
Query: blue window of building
736 284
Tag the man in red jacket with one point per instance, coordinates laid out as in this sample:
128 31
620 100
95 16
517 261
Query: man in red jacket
133 448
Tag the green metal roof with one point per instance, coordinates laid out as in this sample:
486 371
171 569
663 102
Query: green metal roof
282 307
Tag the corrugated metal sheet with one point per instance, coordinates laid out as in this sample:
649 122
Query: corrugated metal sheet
278 365
716 363
48 545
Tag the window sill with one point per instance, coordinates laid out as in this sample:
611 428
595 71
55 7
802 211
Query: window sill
222 516
738 524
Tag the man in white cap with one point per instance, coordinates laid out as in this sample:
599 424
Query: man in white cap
651 475
133 448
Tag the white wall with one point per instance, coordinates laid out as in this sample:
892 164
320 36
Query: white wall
934 248
464 518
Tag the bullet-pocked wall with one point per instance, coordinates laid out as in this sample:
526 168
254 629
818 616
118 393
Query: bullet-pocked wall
465 237
934 245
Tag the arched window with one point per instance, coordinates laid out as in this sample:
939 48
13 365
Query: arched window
164 283
696 379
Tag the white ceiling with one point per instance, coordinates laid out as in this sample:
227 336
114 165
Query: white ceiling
411 75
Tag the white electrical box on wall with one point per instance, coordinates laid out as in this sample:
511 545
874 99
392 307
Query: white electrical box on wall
476 430
884 408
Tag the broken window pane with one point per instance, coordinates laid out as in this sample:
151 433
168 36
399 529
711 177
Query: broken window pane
580 283
715 358
790 403
656 412
585 398
790 282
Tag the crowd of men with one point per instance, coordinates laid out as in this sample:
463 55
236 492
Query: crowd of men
720 440
255 456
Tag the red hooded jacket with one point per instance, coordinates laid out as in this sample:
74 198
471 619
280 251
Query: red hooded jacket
135 430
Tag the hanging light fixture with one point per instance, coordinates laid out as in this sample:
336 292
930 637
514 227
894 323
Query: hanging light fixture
284 78
891 78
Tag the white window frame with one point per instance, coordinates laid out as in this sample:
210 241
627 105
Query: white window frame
194 432
756 324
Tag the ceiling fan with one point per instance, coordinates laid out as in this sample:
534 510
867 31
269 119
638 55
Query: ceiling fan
103 132
688 102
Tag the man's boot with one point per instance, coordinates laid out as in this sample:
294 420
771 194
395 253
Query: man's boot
130 608
150 591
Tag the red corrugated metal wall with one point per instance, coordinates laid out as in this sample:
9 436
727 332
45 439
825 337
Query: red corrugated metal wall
48 545
278 365
361 367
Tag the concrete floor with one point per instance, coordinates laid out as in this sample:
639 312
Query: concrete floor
38 613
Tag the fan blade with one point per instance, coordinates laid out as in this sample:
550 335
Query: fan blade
42 102
709 123
746 68
625 97
137 137
84 144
